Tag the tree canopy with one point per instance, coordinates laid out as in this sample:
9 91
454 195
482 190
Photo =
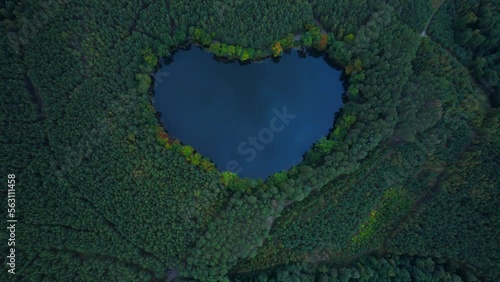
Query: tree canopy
405 184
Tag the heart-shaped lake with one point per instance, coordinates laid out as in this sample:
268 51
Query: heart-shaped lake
255 119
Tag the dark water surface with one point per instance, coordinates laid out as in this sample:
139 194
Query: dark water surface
254 119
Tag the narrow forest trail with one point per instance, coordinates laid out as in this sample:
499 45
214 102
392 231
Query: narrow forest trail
424 32
298 37
323 30
478 83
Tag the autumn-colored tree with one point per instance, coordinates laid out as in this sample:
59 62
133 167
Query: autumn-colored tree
207 165
323 41
277 49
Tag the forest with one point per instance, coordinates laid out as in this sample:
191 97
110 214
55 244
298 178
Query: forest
405 187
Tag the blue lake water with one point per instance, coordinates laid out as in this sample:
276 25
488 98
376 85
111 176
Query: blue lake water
255 119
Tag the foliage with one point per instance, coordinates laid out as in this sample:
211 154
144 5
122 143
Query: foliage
369 268
469 30
394 205
410 167
277 49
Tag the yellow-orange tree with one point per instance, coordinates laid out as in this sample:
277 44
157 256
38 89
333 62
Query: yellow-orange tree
277 49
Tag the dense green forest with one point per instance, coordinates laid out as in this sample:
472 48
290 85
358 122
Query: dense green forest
405 187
